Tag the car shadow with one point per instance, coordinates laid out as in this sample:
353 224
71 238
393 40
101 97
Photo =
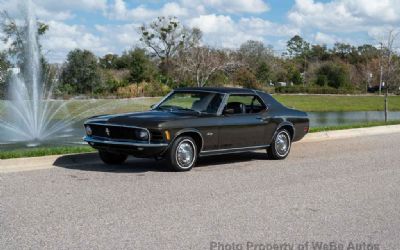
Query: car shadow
92 162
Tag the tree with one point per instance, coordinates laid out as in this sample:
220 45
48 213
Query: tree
244 77
319 52
343 50
80 74
263 73
4 65
389 65
15 35
254 52
165 37
139 65
388 58
298 47
333 74
202 62
109 61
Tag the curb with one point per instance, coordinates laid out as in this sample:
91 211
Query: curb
48 162
350 133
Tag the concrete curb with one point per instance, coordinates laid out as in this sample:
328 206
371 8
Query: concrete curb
349 133
47 162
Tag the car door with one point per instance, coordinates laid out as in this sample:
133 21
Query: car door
243 127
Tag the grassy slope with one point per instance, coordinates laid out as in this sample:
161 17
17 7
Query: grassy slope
323 103
317 103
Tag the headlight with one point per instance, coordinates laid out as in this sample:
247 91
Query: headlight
88 130
142 134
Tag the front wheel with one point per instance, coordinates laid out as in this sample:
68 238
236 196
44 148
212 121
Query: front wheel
112 158
280 146
182 155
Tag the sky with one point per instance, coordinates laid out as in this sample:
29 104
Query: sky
110 26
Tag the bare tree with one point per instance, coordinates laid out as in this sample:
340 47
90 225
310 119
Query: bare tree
388 65
201 62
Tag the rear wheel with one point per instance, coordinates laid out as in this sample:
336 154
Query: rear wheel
112 158
182 155
280 146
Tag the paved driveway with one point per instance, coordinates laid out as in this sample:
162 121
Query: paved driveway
344 191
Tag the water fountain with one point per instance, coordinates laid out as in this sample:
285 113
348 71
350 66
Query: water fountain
30 111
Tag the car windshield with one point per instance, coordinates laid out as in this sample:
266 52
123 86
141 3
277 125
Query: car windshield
202 102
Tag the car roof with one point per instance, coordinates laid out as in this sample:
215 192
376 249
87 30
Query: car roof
219 90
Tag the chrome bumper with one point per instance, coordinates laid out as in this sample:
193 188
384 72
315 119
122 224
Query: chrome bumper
90 140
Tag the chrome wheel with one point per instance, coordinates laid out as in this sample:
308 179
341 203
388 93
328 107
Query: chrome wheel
185 154
282 143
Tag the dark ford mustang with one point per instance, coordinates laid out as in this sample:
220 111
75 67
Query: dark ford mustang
193 122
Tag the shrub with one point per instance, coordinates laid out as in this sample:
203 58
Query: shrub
245 78
143 89
315 90
333 74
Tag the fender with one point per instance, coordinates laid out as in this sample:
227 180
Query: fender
285 123
187 130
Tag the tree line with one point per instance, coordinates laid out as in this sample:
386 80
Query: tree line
172 55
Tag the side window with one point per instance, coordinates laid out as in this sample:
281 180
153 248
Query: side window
244 104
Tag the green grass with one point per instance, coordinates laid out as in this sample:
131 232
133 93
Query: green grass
43 151
308 103
325 103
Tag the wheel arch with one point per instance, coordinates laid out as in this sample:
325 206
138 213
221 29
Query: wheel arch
288 126
195 134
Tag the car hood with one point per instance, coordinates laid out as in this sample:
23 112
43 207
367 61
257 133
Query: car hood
148 119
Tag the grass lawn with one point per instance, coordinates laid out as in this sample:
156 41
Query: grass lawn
43 151
309 103
325 103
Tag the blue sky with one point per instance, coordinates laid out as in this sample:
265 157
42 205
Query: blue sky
110 26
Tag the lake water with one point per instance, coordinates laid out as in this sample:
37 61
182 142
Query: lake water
322 119
317 119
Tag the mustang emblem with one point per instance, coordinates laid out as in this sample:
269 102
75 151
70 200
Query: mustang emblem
107 132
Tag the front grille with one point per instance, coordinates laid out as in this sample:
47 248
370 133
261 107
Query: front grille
122 133
156 136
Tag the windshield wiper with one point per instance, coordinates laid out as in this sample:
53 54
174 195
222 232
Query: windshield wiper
191 110
172 108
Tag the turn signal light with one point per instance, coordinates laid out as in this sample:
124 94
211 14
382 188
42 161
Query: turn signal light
167 135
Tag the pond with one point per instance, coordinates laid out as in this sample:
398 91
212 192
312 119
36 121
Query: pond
75 133
324 119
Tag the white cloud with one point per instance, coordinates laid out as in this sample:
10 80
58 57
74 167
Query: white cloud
322 38
62 38
223 31
119 37
213 23
82 5
344 15
120 11
230 6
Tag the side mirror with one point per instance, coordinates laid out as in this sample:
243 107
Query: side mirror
152 106
267 108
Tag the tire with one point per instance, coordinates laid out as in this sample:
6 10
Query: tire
183 154
112 158
280 146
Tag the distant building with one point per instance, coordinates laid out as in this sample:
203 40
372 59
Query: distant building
281 84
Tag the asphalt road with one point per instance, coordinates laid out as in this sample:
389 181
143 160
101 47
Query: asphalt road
343 191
